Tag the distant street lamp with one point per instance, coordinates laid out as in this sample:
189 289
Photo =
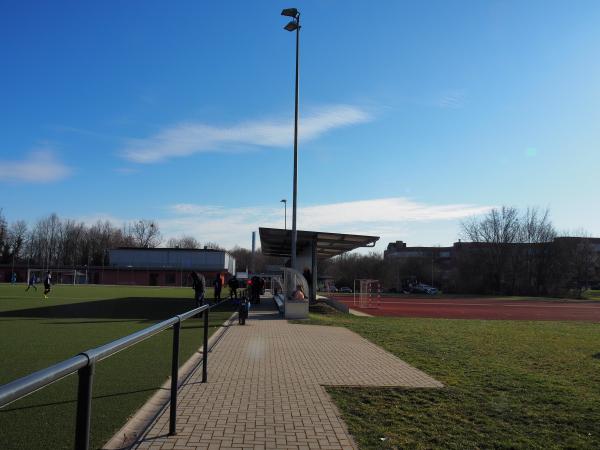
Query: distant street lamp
294 25
284 201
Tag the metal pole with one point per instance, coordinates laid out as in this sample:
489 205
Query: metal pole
84 407
205 348
174 379
314 281
294 230
285 216
253 252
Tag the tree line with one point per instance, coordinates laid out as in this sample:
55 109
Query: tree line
55 242
508 252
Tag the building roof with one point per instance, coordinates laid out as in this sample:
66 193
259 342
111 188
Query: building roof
170 249
278 242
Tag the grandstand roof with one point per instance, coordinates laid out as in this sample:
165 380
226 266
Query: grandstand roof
278 242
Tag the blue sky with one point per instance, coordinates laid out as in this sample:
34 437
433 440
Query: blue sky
414 115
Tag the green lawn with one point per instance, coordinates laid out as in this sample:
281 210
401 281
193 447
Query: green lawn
509 384
592 295
35 333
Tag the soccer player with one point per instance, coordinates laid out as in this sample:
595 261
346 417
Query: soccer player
47 284
31 283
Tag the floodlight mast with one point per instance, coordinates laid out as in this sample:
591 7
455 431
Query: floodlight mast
294 25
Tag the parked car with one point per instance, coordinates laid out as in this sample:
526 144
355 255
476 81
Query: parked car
423 289
430 290
346 290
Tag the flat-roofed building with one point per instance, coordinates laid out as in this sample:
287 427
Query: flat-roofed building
163 266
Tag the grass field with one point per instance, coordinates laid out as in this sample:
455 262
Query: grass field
35 333
509 384
593 295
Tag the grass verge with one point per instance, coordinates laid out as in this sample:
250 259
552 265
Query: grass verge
509 384
35 333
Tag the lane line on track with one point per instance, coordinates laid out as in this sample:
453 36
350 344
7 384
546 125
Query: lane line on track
494 305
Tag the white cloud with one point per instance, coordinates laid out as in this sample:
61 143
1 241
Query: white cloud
454 98
385 210
389 218
40 166
185 139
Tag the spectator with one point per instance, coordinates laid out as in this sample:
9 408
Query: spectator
233 284
298 294
255 290
243 309
218 284
198 283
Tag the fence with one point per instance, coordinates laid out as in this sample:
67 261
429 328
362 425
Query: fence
85 363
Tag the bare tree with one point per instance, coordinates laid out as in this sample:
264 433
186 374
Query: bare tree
17 234
145 233
213 246
188 242
45 240
4 246
537 236
496 232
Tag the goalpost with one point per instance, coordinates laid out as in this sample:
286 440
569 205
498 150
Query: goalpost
59 276
368 294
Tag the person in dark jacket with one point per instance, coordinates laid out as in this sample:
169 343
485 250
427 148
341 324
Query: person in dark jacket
198 283
255 290
233 284
218 285
243 310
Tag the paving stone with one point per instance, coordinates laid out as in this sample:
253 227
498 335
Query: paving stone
266 390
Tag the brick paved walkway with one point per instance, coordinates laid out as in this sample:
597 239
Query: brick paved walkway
265 388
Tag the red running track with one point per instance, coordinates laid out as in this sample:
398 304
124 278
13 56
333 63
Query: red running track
482 308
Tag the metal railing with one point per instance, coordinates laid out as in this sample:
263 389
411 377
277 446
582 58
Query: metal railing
85 363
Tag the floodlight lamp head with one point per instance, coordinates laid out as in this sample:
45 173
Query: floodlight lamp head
290 12
283 201
292 26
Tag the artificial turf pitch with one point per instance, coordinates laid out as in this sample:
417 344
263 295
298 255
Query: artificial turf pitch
36 333
508 384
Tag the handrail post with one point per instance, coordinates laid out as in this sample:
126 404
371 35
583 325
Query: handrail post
84 407
174 379
205 348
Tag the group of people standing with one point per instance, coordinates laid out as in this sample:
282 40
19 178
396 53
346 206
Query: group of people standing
256 288
199 286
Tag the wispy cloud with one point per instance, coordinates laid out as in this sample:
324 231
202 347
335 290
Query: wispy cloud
453 98
126 170
390 218
185 139
39 166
